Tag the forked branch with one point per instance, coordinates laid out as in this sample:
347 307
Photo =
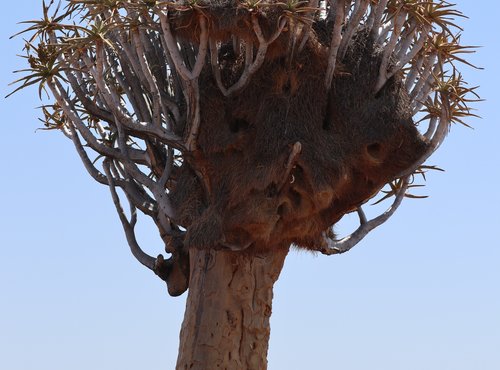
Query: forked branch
128 226
252 64
347 243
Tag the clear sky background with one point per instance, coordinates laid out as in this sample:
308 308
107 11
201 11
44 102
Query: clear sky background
422 292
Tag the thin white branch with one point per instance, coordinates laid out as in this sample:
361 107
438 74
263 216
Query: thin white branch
131 70
64 102
202 48
389 49
127 53
169 163
251 65
129 83
190 78
306 29
353 24
192 93
426 90
378 13
151 80
158 189
75 79
87 163
384 32
414 72
137 196
370 20
345 244
249 54
362 216
161 58
128 227
406 38
130 166
434 142
114 105
431 128
424 75
292 160
173 49
335 42
403 59
136 192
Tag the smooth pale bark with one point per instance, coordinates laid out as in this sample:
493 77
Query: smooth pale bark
226 323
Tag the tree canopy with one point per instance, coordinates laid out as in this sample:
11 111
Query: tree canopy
239 124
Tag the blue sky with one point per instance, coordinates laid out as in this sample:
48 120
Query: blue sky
420 292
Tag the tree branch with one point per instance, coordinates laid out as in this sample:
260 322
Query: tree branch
378 13
335 42
251 65
173 49
128 227
389 49
353 24
114 105
347 243
64 102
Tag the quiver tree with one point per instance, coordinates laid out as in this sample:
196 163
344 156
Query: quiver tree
244 127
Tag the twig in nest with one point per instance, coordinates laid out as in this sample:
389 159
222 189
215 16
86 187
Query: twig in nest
292 160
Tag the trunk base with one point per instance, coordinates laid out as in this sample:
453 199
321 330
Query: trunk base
226 323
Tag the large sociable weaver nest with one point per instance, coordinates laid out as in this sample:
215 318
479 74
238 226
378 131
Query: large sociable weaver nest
284 159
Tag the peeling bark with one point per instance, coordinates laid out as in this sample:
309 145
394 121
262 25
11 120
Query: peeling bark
226 323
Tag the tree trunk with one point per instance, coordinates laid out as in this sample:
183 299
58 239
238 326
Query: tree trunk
226 323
